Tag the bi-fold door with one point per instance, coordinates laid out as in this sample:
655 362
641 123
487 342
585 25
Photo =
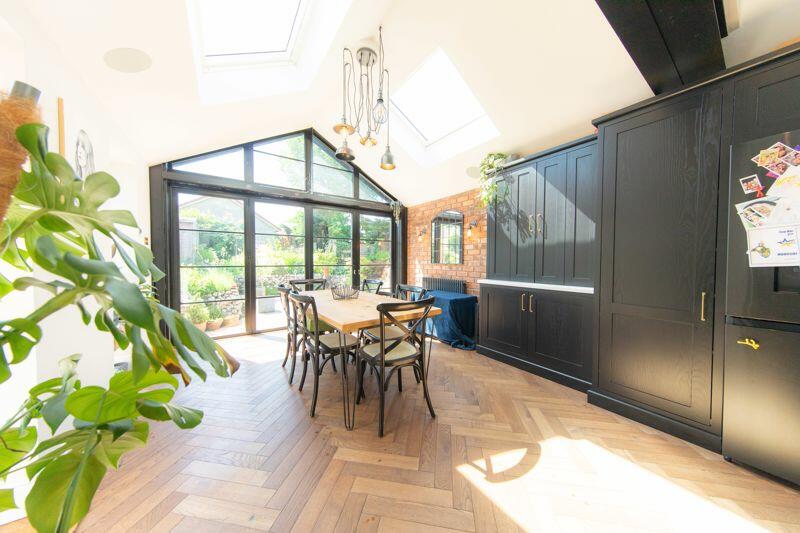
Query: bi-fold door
230 253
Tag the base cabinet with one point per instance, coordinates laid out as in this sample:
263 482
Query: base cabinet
545 332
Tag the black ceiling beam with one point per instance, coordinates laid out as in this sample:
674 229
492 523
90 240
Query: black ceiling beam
672 42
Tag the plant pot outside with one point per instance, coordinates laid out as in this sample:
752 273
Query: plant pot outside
201 326
230 320
213 325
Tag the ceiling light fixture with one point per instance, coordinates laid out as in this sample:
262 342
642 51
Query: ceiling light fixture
364 111
127 60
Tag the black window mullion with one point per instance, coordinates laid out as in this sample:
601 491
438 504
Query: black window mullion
248 163
309 241
309 163
355 252
250 263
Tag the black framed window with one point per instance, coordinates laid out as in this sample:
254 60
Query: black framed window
223 164
281 162
229 226
329 175
446 237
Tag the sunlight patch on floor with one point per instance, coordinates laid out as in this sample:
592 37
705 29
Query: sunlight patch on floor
578 485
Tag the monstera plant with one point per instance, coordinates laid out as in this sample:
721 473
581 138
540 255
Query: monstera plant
490 167
56 226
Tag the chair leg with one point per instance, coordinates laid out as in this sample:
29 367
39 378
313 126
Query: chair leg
315 393
363 370
381 402
294 363
425 390
416 373
289 343
305 368
359 382
400 379
333 364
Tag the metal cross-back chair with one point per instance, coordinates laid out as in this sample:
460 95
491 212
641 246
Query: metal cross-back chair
311 284
372 285
409 292
395 354
316 347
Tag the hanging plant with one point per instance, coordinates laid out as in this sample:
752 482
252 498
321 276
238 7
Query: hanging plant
51 229
491 165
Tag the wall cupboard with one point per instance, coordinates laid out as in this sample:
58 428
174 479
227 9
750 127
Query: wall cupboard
541 233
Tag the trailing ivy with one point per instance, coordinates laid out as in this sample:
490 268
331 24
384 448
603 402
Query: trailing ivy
53 223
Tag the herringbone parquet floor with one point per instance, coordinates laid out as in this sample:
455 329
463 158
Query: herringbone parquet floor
508 451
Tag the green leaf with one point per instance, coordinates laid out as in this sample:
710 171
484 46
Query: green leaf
98 188
54 411
66 479
7 500
5 286
184 417
21 335
15 444
110 449
129 303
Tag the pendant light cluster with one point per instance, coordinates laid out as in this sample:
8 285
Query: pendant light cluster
363 111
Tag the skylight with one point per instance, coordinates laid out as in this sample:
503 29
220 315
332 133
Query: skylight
248 30
436 101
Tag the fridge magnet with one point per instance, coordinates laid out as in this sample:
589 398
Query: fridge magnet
774 246
751 184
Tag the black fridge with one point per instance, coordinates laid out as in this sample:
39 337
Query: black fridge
761 400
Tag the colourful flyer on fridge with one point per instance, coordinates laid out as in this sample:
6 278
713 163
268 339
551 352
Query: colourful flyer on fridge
773 247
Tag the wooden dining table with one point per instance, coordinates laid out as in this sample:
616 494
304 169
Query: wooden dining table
350 316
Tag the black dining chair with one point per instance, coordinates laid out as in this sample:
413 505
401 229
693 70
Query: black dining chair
392 355
292 338
409 292
372 285
316 347
309 284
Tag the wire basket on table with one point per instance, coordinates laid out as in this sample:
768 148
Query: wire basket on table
343 291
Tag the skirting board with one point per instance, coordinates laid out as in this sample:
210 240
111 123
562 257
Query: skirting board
533 368
667 425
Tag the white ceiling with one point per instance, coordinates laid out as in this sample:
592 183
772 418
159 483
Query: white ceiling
541 69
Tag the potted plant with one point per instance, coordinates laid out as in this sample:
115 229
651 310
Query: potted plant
198 315
214 318
50 233
491 165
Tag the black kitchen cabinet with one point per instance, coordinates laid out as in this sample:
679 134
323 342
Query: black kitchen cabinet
503 321
542 225
660 176
551 219
546 332
761 421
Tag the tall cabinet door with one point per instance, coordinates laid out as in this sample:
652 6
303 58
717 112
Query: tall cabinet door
660 174
551 208
524 249
579 266
501 230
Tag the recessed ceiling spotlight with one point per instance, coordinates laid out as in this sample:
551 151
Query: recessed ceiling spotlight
128 60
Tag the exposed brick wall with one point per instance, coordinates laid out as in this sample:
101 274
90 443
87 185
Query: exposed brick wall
419 251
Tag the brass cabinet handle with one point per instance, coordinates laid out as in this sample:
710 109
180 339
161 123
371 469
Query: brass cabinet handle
539 224
703 306
530 221
749 342
530 303
522 302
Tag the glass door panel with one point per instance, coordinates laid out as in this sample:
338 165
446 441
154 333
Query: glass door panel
375 246
333 245
211 257
280 244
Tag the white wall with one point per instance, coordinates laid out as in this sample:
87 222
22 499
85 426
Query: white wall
28 55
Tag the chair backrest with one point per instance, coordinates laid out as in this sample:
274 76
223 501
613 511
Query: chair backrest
308 284
371 285
305 309
410 293
413 330
288 308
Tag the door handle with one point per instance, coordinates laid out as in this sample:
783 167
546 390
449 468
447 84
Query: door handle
522 302
539 224
703 306
749 342
530 303
530 221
